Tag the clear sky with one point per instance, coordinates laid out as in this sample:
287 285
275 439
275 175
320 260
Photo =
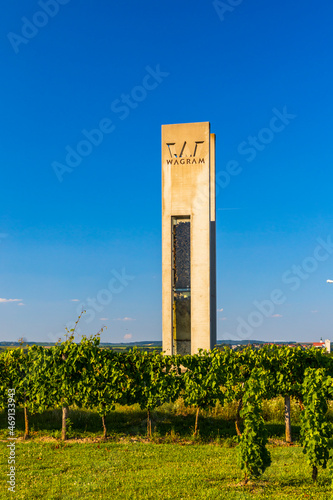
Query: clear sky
85 89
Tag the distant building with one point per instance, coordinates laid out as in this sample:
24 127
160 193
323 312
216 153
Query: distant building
318 344
323 345
328 345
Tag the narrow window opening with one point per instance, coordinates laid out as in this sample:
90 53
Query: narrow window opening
181 284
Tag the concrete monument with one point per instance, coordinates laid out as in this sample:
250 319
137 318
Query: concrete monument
188 238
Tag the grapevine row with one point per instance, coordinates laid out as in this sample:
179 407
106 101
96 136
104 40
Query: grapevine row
91 377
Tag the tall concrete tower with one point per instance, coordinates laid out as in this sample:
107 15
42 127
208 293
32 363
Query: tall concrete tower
188 238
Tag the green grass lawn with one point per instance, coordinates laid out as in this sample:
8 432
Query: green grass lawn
173 465
136 470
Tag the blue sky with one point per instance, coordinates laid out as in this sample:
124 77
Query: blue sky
75 227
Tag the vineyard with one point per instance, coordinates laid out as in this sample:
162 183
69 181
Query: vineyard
86 376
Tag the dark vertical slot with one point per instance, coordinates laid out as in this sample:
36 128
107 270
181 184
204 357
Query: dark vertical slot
181 249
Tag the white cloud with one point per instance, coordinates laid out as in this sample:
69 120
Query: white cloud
125 319
219 310
314 312
276 316
223 318
21 304
103 319
128 336
9 300
75 300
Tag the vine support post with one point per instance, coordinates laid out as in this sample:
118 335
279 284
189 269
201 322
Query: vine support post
26 423
238 419
65 411
148 424
314 473
104 427
287 418
196 421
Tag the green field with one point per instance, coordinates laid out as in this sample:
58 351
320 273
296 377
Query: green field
136 470
172 465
